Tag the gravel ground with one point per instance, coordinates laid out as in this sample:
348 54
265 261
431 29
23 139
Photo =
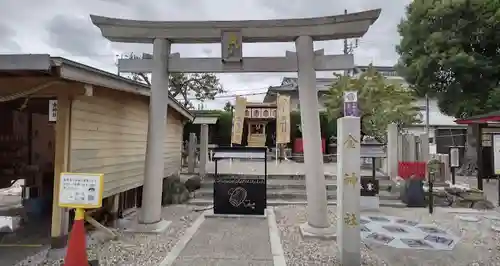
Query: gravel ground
308 252
479 245
133 248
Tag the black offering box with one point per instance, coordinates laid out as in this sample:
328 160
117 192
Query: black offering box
245 195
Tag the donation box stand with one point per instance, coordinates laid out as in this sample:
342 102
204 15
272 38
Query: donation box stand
236 193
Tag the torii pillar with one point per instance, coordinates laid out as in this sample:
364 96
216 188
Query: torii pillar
150 214
317 214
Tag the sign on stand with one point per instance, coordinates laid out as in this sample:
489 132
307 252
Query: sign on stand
81 190
240 194
454 162
369 187
496 161
351 103
496 154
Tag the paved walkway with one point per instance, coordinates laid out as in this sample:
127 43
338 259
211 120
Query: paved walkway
228 242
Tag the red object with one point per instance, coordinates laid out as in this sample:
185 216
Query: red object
408 169
298 146
76 255
481 120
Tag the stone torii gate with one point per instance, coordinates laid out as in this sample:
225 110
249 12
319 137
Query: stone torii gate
232 35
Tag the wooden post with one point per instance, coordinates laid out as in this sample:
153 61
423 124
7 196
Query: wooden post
60 217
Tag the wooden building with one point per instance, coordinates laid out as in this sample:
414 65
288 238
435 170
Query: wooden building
62 116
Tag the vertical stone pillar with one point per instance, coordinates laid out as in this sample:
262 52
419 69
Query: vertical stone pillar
154 171
424 147
317 216
445 160
400 147
348 190
392 150
192 152
203 149
412 148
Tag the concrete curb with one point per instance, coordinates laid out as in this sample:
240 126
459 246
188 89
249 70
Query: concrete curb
183 241
275 240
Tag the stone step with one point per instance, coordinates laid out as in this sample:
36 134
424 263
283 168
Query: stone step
210 176
279 202
277 184
291 194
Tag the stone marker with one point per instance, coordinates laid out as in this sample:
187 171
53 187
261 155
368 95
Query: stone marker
192 153
348 191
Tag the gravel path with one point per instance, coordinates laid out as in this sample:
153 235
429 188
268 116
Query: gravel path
134 248
479 245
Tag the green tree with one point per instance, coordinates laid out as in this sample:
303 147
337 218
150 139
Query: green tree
204 86
450 50
228 107
380 102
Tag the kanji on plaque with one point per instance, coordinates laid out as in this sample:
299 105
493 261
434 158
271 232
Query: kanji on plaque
350 219
351 142
351 179
232 49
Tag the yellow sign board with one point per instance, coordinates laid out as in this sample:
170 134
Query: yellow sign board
238 119
283 119
81 190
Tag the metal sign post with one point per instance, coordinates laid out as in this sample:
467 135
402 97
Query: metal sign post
351 103
433 168
454 162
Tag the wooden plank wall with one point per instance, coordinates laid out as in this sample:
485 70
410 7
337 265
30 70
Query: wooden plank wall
108 135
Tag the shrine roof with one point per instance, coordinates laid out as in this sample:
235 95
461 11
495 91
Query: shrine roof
480 119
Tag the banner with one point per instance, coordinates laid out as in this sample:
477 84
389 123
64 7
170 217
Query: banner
283 119
238 118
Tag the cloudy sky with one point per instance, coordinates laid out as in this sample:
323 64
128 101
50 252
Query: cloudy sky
63 28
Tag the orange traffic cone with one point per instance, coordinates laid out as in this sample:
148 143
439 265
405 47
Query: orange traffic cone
76 255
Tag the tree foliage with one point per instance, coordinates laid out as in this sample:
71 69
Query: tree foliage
380 102
451 50
228 107
199 86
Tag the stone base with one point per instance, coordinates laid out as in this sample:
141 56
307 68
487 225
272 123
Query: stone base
156 228
211 214
308 231
369 203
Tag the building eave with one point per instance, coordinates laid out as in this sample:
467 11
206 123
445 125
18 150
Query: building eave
71 70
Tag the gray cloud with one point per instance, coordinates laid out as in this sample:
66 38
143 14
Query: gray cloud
62 27
75 36
7 39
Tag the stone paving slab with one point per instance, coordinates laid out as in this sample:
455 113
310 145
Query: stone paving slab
228 241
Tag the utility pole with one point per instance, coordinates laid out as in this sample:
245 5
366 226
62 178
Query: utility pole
427 115
349 47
